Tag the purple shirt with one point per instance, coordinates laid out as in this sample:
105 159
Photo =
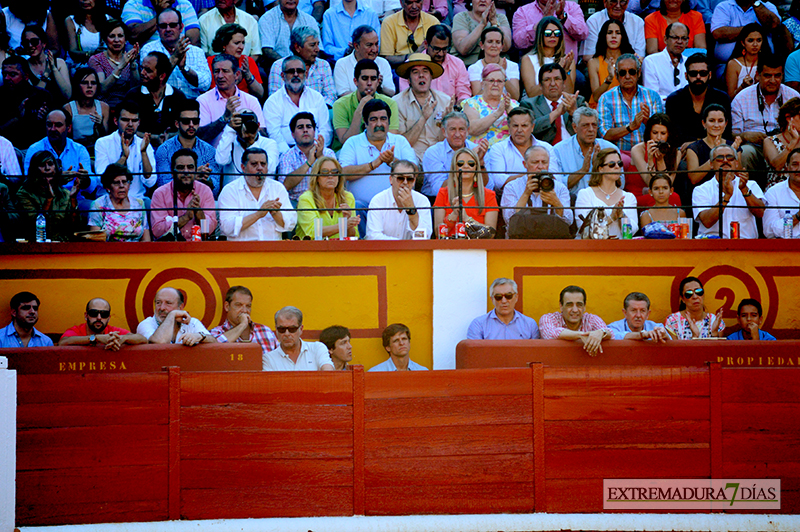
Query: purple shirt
489 327
212 106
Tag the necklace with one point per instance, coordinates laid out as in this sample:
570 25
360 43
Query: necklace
608 196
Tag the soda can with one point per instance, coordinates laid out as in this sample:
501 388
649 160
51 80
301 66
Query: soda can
684 231
444 231
735 230
461 230
196 233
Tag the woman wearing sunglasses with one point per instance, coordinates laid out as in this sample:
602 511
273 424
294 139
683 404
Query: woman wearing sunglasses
47 71
549 49
326 193
605 191
480 203
121 218
692 321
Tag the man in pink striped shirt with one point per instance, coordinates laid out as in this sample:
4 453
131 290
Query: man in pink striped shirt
574 323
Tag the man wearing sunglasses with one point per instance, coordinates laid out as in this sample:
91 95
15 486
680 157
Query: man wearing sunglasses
615 10
665 71
574 323
504 322
742 198
403 33
292 353
21 331
96 329
171 324
400 212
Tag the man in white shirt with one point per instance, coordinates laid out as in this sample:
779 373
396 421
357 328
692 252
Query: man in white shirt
785 195
614 9
407 213
742 199
526 192
252 194
665 71
171 324
290 100
128 149
292 353
366 45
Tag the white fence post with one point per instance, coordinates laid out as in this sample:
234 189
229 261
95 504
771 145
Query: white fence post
8 444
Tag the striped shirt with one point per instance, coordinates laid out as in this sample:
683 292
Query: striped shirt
615 112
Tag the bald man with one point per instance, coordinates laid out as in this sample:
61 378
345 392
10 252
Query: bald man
171 324
97 331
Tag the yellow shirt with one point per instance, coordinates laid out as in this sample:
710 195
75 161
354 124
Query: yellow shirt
305 219
395 32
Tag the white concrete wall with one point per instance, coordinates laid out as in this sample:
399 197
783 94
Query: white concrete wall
459 295
8 444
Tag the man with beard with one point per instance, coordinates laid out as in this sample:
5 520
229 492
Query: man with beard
365 46
250 206
737 192
218 105
239 325
296 163
437 158
157 99
24 106
184 197
126 148
665 71
96 330
21 331
574 323
171 324
635 325
304 43
292 98
347 111
685 105
187 122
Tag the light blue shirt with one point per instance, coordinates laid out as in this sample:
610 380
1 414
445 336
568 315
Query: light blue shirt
504 160
9 338
620 328
195 61
516 189
489 327
358 150
436 165
388 365
792 68
73 156
728 13
338 26
567 157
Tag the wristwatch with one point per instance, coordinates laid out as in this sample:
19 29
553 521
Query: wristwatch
411 212
757 3
92 340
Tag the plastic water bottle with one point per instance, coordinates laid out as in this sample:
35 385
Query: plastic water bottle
41 228
627 229
788 223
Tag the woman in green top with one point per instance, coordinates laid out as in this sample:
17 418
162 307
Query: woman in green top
326 192
43 192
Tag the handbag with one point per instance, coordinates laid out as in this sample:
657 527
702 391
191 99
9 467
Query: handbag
476 231
595 225
537 224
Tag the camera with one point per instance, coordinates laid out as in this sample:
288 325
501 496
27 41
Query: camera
249 121
546 183
663 147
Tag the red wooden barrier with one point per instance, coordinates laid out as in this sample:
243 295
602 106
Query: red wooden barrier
149 447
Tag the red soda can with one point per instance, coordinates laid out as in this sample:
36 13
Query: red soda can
461 230
444 231
684 231
735 230
196 233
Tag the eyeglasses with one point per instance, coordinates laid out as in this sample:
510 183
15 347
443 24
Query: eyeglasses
469 163
294 71
500 297
552 33
94 312
678 38
695 73
412 43
728 157
617 2
190 120
675 80
329 172
29 307
495 81
33 41
438 49
613 164
170 25
292 329
122 183
405 179
697 291
630 72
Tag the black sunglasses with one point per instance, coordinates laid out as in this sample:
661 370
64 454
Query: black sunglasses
93 313
294 71
405 179
695 73
412 43
33 41
500 297
697 291
632 71
189 120
170 25
461 163
675 80
292 329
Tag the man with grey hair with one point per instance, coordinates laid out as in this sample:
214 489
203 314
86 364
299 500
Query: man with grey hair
304 43
292 353
171 324
528 193
625 109
635 325
400 212
291 99
437 158
572 158
504 322
665 71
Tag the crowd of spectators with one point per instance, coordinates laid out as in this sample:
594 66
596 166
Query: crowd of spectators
355 89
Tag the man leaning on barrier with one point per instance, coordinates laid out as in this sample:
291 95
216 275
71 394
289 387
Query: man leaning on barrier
171 324
97 331
239 325
574 323
24 316
293 353
635 325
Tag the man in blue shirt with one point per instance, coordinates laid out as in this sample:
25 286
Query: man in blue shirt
75 162
635 325
397 342
504 322
341 20
749 317
21 331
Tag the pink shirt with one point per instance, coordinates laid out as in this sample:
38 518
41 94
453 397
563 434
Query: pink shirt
528 16
438 5
454 80
551 325
161 209
212 106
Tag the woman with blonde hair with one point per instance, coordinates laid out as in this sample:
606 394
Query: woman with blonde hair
326 193
480 203
605 191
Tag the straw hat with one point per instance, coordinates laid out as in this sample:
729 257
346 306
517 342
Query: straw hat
419 60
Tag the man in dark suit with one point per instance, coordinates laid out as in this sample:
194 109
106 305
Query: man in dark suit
553 108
